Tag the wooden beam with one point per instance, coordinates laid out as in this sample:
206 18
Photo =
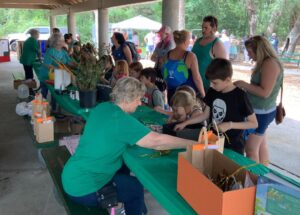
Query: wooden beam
39 2
26 6
96 4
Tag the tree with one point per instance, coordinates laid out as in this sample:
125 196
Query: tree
252 17
275 16
294 35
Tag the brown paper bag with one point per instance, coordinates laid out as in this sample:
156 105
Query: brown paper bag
44 129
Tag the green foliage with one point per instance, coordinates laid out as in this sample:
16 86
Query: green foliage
151 11
231 14
17 21
90 68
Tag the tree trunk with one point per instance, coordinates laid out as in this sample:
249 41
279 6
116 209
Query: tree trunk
252 17
276 13
294 35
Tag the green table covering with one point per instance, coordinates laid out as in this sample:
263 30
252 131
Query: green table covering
148 116
69 105
159 175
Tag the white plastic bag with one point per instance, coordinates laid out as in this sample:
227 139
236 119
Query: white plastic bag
23 109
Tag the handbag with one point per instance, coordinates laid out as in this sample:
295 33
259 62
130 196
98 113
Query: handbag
280 111
108 196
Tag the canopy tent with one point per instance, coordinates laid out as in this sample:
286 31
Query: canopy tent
139 23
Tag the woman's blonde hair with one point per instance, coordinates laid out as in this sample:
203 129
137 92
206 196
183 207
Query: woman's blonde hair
127 90
263 50
180 36
182 99
122 67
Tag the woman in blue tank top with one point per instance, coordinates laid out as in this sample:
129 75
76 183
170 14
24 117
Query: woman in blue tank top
181 67
120 51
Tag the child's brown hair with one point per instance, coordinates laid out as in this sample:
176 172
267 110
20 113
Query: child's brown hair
137 66
219 68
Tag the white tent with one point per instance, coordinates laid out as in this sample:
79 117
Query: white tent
139 23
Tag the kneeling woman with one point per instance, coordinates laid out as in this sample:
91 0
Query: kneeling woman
98 159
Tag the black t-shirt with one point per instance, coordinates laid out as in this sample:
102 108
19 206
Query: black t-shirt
231 106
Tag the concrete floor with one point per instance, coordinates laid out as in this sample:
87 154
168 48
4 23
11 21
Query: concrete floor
25 187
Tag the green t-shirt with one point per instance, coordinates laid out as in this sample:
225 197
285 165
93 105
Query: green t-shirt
107 134
30 51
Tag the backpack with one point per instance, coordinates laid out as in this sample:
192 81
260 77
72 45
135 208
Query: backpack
175 72
134 53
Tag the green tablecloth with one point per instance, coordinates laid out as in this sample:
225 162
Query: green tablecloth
159 175
148 116
69 105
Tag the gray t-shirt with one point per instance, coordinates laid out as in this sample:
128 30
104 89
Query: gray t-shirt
153 97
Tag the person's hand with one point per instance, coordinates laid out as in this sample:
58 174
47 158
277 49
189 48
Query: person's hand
240 84
224 126
180 126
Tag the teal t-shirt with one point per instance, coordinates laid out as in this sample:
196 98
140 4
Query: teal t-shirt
51 54
107 134
30 51
204 58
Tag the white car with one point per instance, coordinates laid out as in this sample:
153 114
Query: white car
44 35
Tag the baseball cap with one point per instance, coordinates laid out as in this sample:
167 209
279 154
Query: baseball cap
164 29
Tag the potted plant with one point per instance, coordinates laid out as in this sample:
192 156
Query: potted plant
87 75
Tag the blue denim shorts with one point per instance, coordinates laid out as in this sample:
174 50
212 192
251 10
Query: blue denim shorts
263 120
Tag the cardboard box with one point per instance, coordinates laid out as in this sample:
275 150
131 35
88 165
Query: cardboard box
202 194
62 125
44 131
29 83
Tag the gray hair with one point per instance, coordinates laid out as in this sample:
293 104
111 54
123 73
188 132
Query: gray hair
127 90
55 39
33 32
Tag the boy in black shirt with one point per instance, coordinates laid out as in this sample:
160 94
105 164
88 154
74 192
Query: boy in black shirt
227 105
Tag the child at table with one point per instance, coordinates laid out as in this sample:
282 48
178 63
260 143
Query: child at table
135 69
121 70
227 105
184 106
108 70
153 97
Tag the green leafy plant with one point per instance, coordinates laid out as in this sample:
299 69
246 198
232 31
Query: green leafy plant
90 68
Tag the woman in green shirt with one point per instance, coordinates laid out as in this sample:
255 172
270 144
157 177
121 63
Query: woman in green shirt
31 50
208 47
266 79
96 163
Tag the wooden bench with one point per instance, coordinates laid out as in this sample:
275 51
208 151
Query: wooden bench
55 159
